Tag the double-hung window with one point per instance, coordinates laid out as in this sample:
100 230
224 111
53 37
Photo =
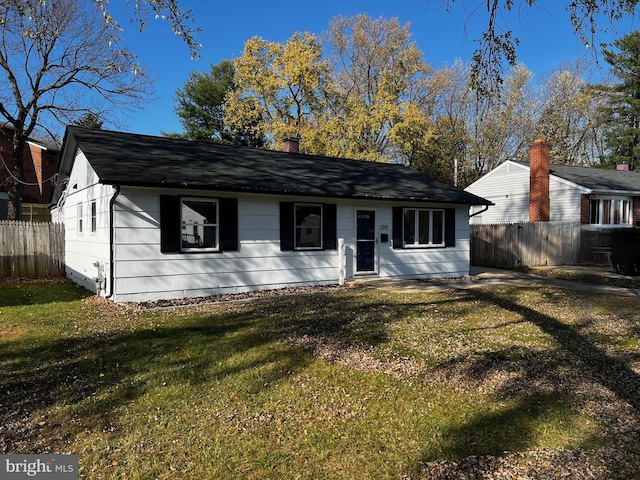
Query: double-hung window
199 222
610 211
80 218
94 217
423 227
308 226
308 222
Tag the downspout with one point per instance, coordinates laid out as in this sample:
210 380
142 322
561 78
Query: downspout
111 240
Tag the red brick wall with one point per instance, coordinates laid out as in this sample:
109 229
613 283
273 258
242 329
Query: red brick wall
40 166
584 209
539 207
635 212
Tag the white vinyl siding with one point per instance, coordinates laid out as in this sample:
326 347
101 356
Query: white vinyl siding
508 188
144 273
83 251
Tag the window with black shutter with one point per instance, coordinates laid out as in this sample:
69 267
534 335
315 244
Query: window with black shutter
308 226
198 224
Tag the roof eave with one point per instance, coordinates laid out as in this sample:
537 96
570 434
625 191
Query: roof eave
264 191
633 193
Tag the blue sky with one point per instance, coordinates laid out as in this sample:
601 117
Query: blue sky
545 33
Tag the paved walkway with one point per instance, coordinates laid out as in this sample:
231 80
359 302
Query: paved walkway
481 277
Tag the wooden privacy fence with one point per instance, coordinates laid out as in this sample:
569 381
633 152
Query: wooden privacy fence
512 245
31 250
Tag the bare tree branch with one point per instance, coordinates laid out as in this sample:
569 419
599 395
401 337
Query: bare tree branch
57 62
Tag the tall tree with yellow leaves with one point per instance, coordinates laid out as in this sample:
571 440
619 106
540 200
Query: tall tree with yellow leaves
278 87
378 95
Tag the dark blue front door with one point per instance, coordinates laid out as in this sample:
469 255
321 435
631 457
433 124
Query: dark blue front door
365 241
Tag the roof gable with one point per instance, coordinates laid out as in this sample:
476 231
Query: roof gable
507 167
142 160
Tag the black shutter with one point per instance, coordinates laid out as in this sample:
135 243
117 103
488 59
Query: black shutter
287 227
397 227
329 227
228 224
450 227
169 224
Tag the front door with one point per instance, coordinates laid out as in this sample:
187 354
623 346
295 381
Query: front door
366 241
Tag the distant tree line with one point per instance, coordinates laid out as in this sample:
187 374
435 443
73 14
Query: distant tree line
365 92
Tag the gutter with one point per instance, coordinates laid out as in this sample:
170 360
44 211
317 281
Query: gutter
486 207
112 240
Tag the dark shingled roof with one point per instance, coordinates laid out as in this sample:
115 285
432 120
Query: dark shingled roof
599 180
141 160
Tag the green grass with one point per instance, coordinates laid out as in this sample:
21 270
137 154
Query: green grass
357 384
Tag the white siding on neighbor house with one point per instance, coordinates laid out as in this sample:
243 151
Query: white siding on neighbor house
508 188
565 200
143 273
83 250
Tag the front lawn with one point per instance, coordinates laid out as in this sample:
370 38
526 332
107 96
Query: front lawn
524 381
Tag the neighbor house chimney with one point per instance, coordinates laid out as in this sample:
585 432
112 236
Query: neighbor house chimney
539 205
622 166
291 145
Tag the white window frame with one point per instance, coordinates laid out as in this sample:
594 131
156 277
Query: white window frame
196 226
617 211
80 219
298 228
416 237
93 209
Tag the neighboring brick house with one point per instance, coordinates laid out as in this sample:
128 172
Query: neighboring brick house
537 191
41 163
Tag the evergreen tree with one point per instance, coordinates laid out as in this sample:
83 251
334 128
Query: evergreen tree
623 111
200 101
200 107
89 120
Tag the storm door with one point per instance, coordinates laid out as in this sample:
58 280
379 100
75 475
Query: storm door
366 261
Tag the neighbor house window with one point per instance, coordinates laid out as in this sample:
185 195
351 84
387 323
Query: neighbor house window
199 222
610 211
80 218
308 222
423 227
94 217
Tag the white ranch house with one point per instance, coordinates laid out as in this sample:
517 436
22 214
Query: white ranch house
149 218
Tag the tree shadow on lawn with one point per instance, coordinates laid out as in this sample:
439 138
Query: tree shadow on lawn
541 392
354 320
52 391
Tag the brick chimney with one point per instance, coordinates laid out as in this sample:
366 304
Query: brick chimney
291 145
622 166
539 205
